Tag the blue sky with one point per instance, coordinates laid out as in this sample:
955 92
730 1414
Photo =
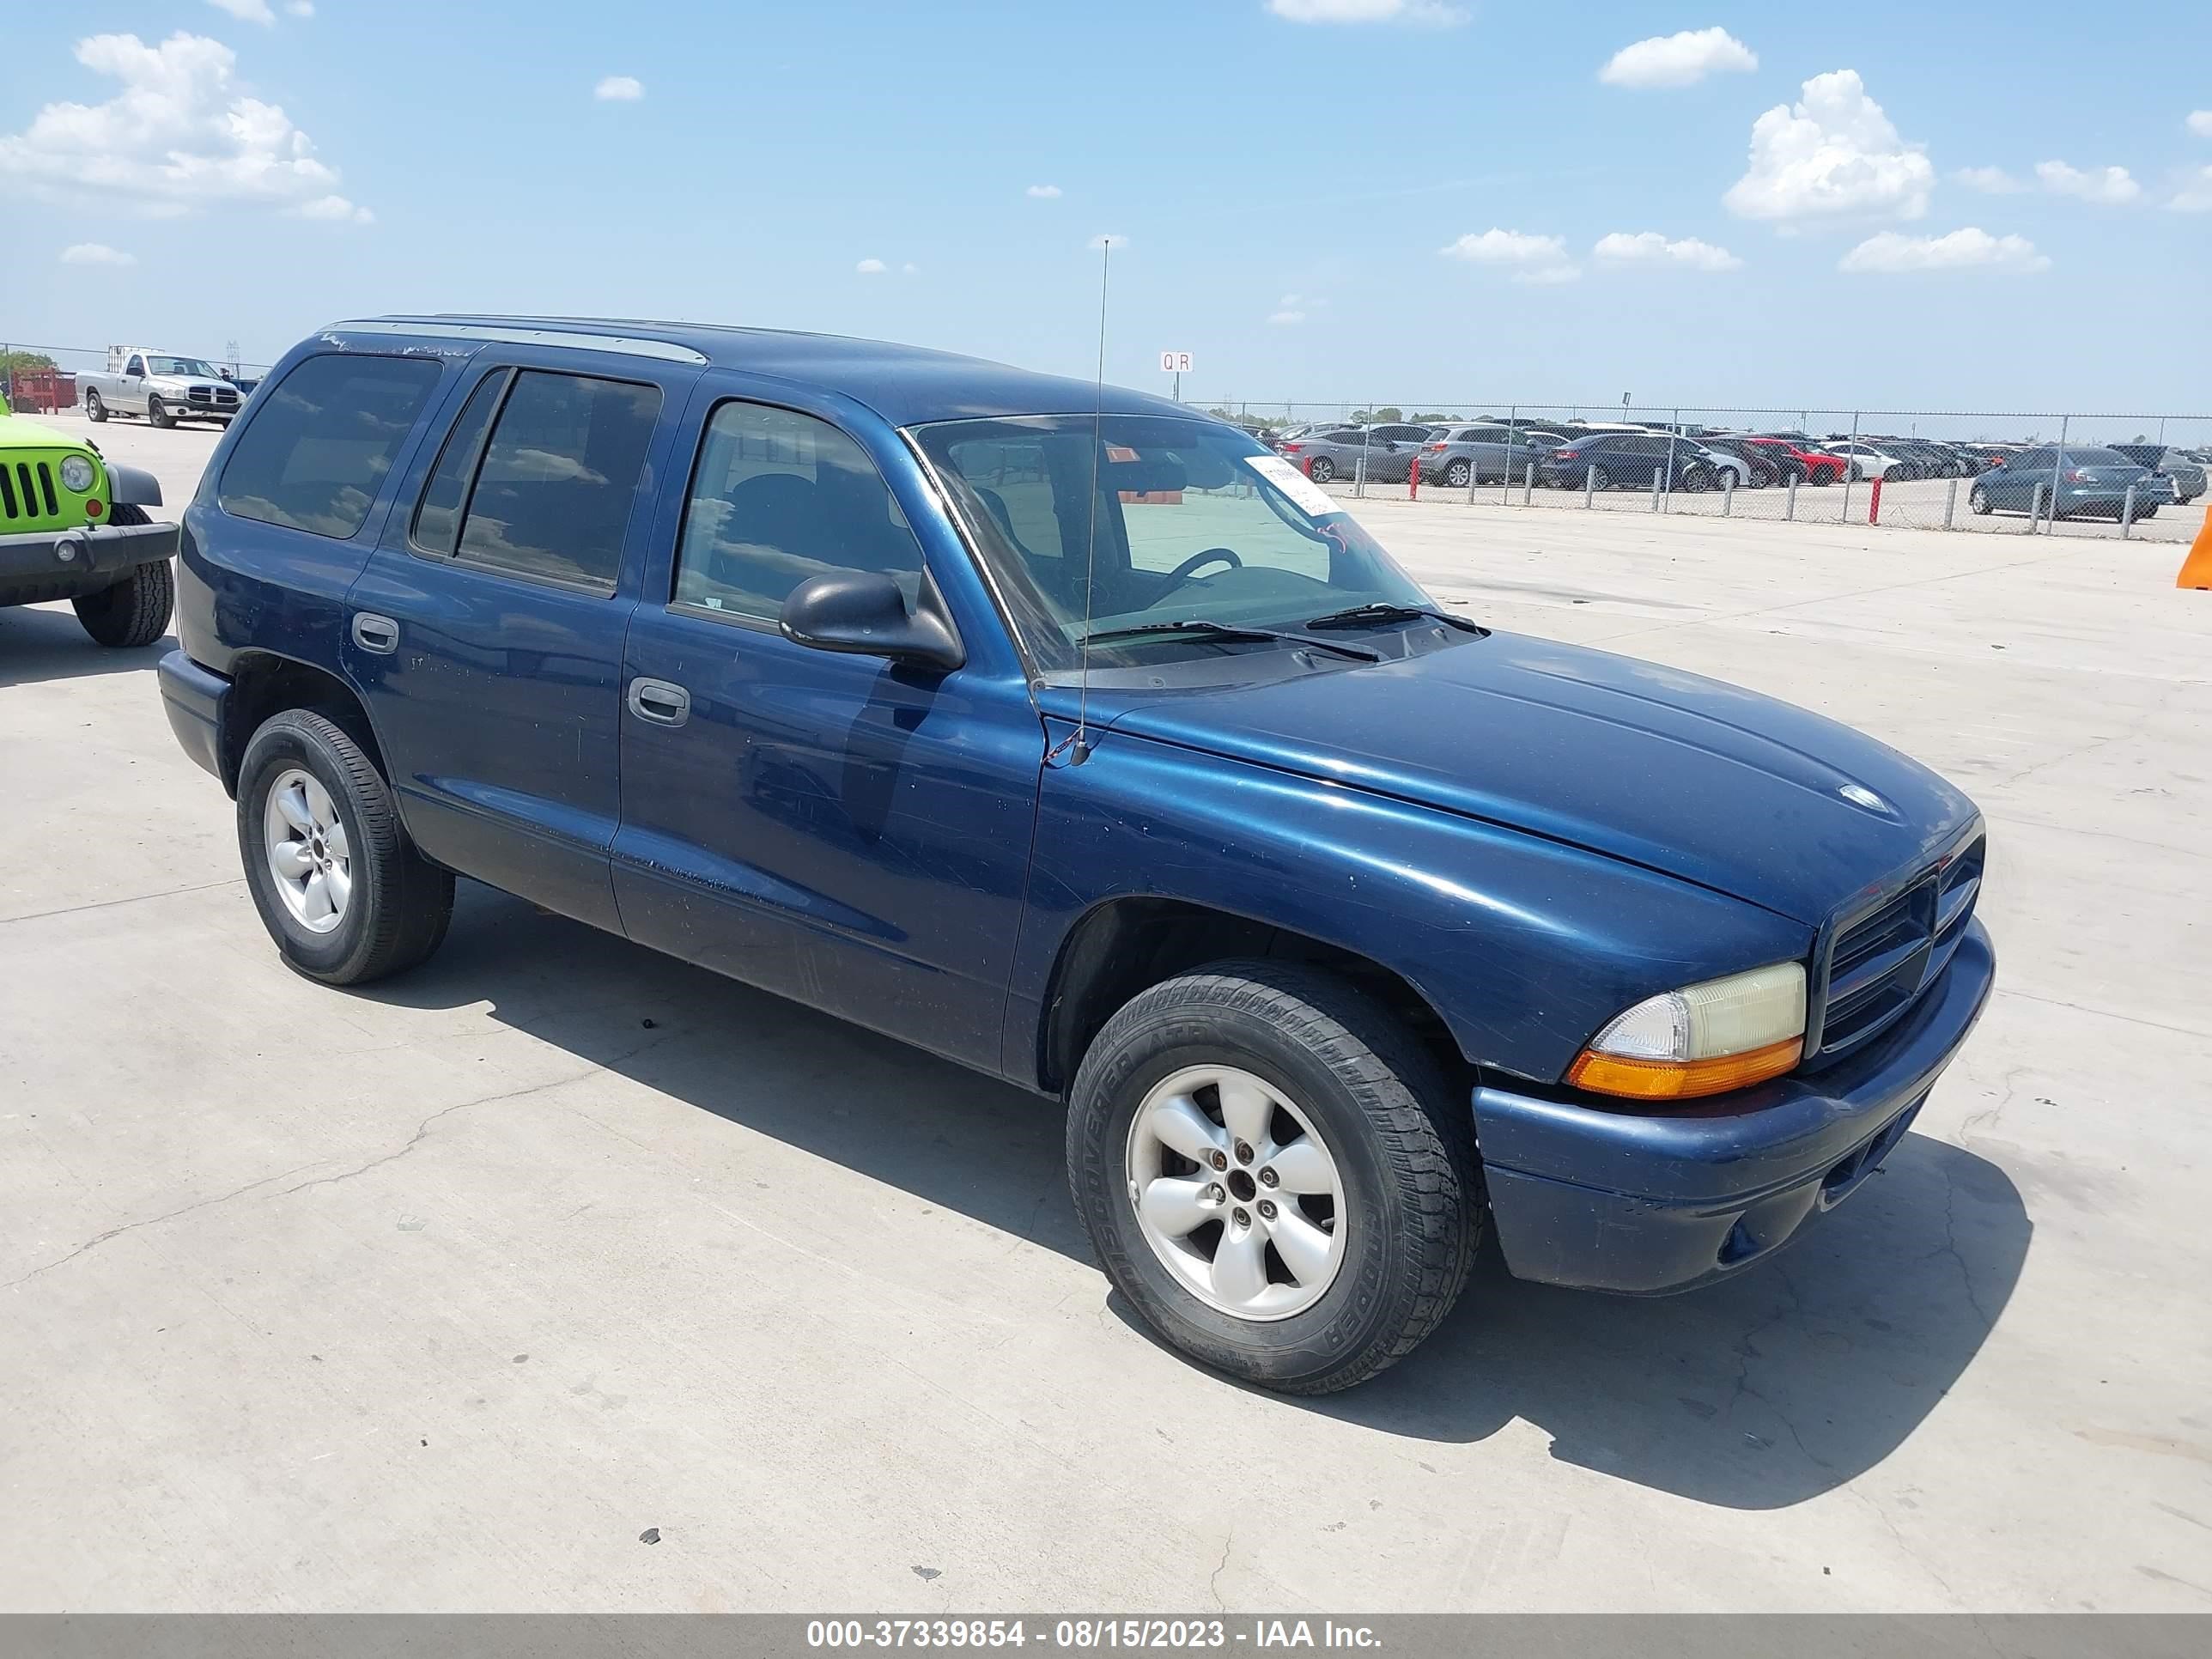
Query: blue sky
1288 176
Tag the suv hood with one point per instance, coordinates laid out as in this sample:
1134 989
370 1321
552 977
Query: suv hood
1702 781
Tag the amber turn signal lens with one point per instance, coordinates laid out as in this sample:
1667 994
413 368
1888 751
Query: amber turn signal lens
1682 1079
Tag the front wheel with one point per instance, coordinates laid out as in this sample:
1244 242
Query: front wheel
1273 1174
340 888
157 413
135 610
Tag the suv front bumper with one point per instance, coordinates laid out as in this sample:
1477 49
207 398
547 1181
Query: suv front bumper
1604 1200
95 550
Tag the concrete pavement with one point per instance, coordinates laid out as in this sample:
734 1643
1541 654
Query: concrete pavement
439 1295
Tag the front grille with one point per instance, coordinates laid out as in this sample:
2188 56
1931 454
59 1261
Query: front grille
1880 961
26 491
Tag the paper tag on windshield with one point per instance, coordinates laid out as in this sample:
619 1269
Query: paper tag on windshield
1309 496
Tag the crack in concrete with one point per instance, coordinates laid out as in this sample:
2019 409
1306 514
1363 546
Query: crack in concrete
110 904
1213 1580
421 1130
1949 1247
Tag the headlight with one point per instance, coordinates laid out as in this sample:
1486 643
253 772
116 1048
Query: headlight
1703 1039
76 473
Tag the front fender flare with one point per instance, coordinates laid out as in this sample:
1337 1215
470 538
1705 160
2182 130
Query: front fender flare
133 486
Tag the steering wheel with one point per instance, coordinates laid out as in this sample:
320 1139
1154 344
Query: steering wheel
1181 573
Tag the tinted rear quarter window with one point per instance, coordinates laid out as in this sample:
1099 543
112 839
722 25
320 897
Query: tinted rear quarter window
321 442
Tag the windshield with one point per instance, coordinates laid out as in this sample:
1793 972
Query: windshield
186 367
1195 522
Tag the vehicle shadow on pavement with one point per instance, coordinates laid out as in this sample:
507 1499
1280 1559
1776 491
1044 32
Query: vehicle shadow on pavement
1758 1393
42 642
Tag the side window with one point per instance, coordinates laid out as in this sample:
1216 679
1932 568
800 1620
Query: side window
438 519
778 497
560 473
136 369
318 445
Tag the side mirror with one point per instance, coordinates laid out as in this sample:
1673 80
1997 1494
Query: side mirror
864 613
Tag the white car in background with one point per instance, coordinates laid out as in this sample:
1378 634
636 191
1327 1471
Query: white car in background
1864 461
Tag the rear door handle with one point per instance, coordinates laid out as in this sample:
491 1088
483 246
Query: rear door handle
373 633
657 701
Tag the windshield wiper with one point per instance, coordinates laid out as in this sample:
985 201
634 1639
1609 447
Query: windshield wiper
1227 631
1360 614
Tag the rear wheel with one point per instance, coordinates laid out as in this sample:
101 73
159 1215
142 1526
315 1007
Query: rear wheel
1599 478
1322 469
1457 473
1273 1174
135 612
341 889
1978 499
94 410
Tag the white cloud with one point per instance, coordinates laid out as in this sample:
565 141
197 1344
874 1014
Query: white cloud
1649 247
1044 192
2194 195
1287 316
178 135
1833 154
247 11
2200 123
871 267
1678 60
1532 258
1962 250
1113 239
2106 185
301 8
337 209
619 89
96 254
910 269
1991 181
1368 11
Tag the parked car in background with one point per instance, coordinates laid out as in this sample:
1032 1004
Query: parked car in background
2188 474
1628 460
1339 452
2074 481
161 386
1796 458
1863 460
1760 469
1337 933
1482 453
74 527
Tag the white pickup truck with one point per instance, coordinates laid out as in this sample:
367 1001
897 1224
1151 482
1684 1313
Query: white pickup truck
161 386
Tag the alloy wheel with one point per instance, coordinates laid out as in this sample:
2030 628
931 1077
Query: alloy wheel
305 842
1235 1192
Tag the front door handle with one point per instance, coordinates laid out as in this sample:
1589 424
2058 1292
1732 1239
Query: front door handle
657 701
375 633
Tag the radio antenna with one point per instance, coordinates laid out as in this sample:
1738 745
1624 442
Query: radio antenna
1082 740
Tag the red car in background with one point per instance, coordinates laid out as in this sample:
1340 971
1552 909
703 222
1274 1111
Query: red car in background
1791 460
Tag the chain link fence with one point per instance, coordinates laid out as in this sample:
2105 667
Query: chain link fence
2130 476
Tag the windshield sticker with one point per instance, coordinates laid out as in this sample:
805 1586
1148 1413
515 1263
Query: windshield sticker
1309 497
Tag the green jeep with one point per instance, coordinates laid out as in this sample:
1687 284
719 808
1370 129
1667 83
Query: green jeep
73 527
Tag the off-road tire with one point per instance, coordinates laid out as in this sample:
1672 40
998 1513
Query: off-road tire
401 903
135 610
1403 1146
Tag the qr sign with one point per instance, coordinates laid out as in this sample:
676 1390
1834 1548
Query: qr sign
1175 362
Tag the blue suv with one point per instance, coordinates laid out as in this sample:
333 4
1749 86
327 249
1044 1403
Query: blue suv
1087 743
